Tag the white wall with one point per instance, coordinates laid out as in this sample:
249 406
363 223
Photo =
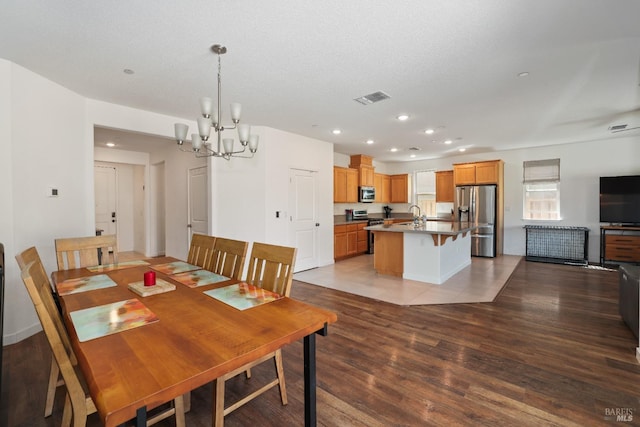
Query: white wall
581 165
247 193
45 146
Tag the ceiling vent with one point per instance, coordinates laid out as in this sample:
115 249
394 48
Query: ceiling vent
617 128
414 149
372 98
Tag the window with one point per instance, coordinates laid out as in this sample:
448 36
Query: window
541 184
425 194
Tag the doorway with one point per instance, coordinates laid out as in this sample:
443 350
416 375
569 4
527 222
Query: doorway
198 202
105 196
303 217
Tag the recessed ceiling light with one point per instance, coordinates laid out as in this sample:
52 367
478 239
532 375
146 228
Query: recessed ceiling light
370 141
429 131
393 150
523 74
128 71
448 141
402 117
412 156
462 150
110 144
336 131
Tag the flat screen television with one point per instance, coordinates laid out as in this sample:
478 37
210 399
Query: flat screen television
620 199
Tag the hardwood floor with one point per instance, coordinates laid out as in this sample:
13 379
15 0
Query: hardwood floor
550 350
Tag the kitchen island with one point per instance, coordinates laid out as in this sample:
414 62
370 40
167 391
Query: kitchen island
431 251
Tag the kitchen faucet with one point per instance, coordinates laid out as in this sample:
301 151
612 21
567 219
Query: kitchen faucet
415 206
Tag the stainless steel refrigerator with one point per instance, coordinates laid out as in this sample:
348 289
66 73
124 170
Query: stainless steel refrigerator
477 204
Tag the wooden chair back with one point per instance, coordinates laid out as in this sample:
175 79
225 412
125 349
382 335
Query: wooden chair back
25 258
31 259
38 288
228 257
201 250
77 252
271 267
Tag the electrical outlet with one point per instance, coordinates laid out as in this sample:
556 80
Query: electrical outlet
52 192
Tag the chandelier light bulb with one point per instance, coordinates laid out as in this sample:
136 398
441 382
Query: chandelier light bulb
196 142
228 145
181 132
253 143
206 107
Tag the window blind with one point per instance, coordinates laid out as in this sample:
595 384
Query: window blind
541 171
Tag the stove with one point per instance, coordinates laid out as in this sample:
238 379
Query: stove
370 235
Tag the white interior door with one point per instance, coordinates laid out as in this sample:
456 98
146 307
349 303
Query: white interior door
198 201
303 203
105 195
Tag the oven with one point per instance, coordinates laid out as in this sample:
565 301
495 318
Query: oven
370 235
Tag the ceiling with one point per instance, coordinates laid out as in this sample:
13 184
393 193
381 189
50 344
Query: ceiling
298 65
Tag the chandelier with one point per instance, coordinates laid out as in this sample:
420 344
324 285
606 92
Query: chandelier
201 146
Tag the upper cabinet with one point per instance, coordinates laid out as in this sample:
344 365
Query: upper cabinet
345 185
364 165
382 183
444 186
400 188
366 176
489 172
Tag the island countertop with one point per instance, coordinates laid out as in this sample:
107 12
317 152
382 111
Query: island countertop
449 228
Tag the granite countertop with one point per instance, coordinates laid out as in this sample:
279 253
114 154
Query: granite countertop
450 228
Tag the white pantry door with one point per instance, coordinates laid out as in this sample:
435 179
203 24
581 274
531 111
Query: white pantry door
198 202
303 222
105 196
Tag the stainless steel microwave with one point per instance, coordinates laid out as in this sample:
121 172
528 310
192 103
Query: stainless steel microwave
367 194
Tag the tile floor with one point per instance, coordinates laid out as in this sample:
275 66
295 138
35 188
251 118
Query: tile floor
480 282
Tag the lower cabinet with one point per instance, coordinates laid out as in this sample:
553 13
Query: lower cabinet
349 240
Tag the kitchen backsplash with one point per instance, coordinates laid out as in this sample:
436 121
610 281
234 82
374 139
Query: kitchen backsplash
442 209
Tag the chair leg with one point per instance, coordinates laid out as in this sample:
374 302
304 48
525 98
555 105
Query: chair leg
179 405
248 373
218 403
54 373
280 373
187 401
67 413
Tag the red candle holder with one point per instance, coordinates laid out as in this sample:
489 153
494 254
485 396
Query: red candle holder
150 278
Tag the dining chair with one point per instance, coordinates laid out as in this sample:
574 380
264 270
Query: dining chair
201 250
271 268
228 257
78 405
25 258
77 252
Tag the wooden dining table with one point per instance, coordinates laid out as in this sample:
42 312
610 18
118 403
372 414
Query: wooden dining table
195 340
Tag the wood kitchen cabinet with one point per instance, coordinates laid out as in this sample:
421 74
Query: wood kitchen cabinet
399 188
339 241
444 186
349 240
366 176
489 172
382 183
345 185
363 242
364 165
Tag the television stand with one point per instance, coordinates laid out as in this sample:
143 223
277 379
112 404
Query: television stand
619 243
